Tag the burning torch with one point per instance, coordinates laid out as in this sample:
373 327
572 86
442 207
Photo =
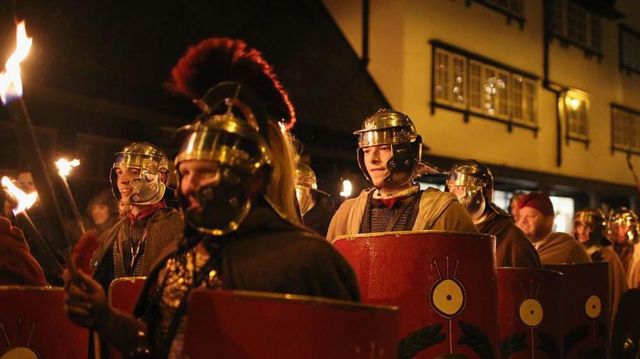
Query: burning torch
22 202
11 96
64 170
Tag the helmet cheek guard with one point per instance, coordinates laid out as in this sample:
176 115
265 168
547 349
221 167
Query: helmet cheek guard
227 134
477 181
149 186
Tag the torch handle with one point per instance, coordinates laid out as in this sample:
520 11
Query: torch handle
41 172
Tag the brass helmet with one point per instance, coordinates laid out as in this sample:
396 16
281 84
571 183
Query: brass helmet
388 127
227 133
305 177
149 186
626 220
472 183
595 219
306 183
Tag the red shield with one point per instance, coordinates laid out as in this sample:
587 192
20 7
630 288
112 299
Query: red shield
225 324
124 292
530 304
443 282
586 309
33 324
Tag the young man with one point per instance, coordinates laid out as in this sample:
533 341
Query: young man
588 229
235 171
536 221
389 154
472 183
138 180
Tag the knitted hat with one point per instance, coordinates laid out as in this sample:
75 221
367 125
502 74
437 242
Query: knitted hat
538 201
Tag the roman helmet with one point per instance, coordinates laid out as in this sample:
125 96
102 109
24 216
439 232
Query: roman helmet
388 127
227 133
150 184
626 220
472 183
595 219
306 183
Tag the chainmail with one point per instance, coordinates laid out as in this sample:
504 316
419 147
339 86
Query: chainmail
377 216
131 235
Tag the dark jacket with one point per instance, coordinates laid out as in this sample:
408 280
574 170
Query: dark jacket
319 217
513 249
269 254
164 227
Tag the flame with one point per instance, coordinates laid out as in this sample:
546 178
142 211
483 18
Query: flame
347 188
65 166
10 81
25 201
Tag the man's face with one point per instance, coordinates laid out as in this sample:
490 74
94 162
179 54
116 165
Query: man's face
195 174
25 182
583 230
375 160
125 176
620 232
534 224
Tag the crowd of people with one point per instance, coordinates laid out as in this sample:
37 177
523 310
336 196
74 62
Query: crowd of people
250 215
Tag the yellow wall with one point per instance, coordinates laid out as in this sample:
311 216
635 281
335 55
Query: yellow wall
401 65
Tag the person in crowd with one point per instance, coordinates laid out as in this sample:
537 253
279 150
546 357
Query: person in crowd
316 206
24 181
131 246
536 221
473 184
103 214
623 230
235 168
17 265
389 154
33 230
513 205
589 228
102 211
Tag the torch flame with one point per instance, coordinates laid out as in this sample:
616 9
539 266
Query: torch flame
65 166
10 81
25 201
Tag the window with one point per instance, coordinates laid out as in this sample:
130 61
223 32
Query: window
625 129
573 24
576 107
513 9
450 74
478 86
564 208
629 50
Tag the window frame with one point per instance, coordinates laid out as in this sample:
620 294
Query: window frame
628 68
627 148
582 110
480 63
562 33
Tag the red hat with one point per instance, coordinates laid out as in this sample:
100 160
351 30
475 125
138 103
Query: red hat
538 201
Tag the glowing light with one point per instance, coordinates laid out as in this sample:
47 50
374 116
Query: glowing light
10 80
65 166
25 201
347 188
574 103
